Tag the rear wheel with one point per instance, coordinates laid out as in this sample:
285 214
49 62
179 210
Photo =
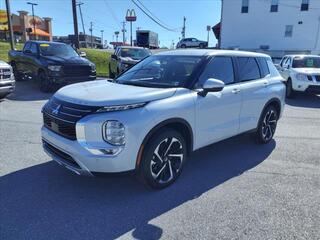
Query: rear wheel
290 93
45 84
183 46
267 125
201 45
163 159
17 74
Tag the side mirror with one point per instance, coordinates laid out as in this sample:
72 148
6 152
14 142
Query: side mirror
82 54
113 56
27 51
212 85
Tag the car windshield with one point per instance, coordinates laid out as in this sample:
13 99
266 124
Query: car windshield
134 53
306 62
161 71
51 49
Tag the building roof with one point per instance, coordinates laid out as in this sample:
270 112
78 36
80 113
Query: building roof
212 52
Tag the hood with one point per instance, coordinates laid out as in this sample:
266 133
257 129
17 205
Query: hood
4 64
65 60
309 71
105 93
129 60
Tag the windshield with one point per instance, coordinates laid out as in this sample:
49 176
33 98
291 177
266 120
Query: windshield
51 49
161 71
134 53
306 62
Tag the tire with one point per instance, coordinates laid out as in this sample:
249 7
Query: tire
45 84
267 125
17 74
159 168
183 46
201 45
290 93
111 74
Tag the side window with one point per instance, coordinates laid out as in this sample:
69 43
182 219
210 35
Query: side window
220 68
287 62
248 69
264 69
26 46
34 48
245 6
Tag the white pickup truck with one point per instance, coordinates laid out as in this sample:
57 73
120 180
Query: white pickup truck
301 73
7 81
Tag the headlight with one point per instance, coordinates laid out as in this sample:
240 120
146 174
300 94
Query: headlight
114 132
121 107
54 68
93 67
301 77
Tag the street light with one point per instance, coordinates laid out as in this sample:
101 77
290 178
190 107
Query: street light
34 22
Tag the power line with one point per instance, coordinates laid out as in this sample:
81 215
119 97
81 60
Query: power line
157 22
114 16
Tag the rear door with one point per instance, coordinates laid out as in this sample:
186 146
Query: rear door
217 114
253 73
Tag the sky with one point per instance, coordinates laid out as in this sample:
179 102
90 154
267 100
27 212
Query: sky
106 15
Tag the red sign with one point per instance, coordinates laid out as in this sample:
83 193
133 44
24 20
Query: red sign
131 15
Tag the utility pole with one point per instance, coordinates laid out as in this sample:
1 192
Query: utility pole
33 20
208 30
91 29
183 32
123 32
75 24
101 38
83 29
10 24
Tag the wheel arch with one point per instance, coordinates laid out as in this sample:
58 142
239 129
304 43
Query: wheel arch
273 102
179 124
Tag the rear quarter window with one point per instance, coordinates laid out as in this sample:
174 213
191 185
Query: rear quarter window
264 69
248 69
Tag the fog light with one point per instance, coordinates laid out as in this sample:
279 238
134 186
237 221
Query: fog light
114 132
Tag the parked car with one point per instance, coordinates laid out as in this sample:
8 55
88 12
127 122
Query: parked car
7 82
51 63
191 43
301 73
125 57
159 111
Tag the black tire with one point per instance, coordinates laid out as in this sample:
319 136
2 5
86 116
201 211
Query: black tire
111 74
201 45
17 75
159 168
183 46
267 125
45 84
290 93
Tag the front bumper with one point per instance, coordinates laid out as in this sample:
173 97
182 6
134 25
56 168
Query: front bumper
68 80
310 86
6 86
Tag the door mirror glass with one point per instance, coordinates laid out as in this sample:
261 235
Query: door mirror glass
113 56
213 85
82 54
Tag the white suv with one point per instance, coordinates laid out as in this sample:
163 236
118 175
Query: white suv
301 73
160 110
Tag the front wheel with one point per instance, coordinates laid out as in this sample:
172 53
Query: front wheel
267 125
163 159
45 84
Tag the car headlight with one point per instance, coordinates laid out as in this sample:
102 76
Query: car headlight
54 68
93 67
301 77
114 132
121 107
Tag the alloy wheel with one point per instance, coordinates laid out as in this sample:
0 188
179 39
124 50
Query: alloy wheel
269 124
167 160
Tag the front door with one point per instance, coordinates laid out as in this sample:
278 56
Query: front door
217 114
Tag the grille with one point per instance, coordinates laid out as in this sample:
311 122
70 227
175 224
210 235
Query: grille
61 117
317 78
5 73
77 71
64 156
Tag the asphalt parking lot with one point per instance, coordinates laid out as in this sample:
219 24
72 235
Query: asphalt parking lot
231 190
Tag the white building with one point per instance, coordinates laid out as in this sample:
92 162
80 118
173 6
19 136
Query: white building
276 26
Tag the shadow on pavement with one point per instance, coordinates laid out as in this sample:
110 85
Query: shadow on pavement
28 91
305 100
48 202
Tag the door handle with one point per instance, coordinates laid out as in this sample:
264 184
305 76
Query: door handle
265 83
236 90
